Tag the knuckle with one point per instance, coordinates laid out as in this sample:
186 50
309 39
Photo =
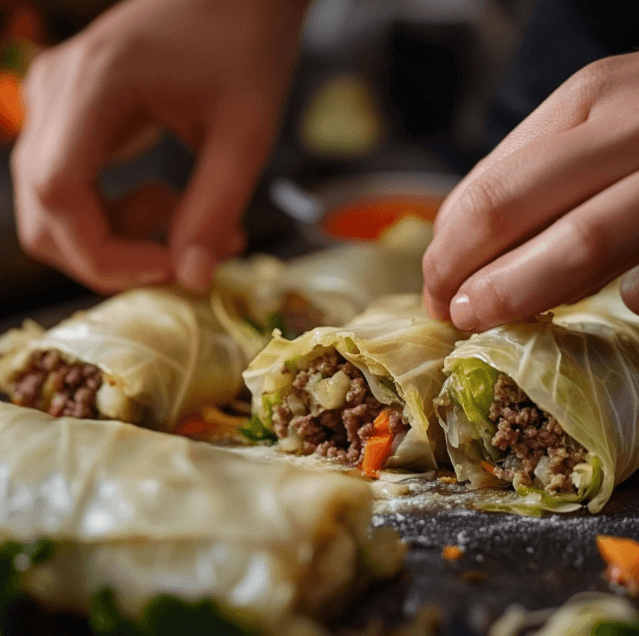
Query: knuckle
481 206
51 189
591 80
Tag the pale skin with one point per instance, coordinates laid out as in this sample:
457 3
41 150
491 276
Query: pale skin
551 215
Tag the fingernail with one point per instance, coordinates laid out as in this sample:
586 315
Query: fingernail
153 277
195 268
461 313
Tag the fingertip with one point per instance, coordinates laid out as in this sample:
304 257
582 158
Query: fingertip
434 309
194 268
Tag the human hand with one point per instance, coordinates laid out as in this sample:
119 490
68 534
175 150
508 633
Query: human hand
215 72
552 214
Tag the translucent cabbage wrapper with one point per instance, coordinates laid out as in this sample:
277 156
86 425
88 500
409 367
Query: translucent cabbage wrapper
340 282
247 299
399 349
149 513
161 354
579 616
582 368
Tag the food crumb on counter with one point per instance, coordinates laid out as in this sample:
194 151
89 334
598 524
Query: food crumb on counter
452 552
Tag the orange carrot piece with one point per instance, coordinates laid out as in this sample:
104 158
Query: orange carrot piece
193 424
452 552
381 423
489 468
377 450
379 446
622 556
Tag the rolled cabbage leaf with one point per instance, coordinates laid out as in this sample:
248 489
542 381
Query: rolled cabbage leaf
318 392
580 368
326 288
159 353
149 514
585 614
252 297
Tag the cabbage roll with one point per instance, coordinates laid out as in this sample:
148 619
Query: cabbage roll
371 384
327 288
146 356
252 297
548 406
149 514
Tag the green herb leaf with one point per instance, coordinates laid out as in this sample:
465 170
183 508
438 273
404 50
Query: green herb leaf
105 618
276 320
165 615
257 432
616 629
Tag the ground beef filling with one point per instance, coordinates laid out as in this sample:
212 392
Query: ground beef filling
51 384
339 434
531 435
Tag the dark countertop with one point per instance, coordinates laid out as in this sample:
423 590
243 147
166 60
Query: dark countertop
536 562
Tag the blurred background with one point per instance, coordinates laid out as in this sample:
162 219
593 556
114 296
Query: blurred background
381 86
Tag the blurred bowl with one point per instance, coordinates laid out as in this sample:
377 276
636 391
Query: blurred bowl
363 206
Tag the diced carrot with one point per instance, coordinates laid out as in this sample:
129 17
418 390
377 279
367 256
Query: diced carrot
489 468
377 450
452 552
379 446
622 556
381 423
193 424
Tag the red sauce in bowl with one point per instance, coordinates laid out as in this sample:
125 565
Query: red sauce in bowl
367 218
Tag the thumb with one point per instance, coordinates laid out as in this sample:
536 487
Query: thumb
207 224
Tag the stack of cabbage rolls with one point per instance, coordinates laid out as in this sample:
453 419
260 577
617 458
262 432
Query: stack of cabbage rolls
547 408
150 356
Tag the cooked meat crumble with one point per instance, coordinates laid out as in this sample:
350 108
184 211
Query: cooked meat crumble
530 435
338 434
51 384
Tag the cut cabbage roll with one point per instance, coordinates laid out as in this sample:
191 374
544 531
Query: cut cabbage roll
254 296
149 514
369 385
146 356
327 288
548 406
